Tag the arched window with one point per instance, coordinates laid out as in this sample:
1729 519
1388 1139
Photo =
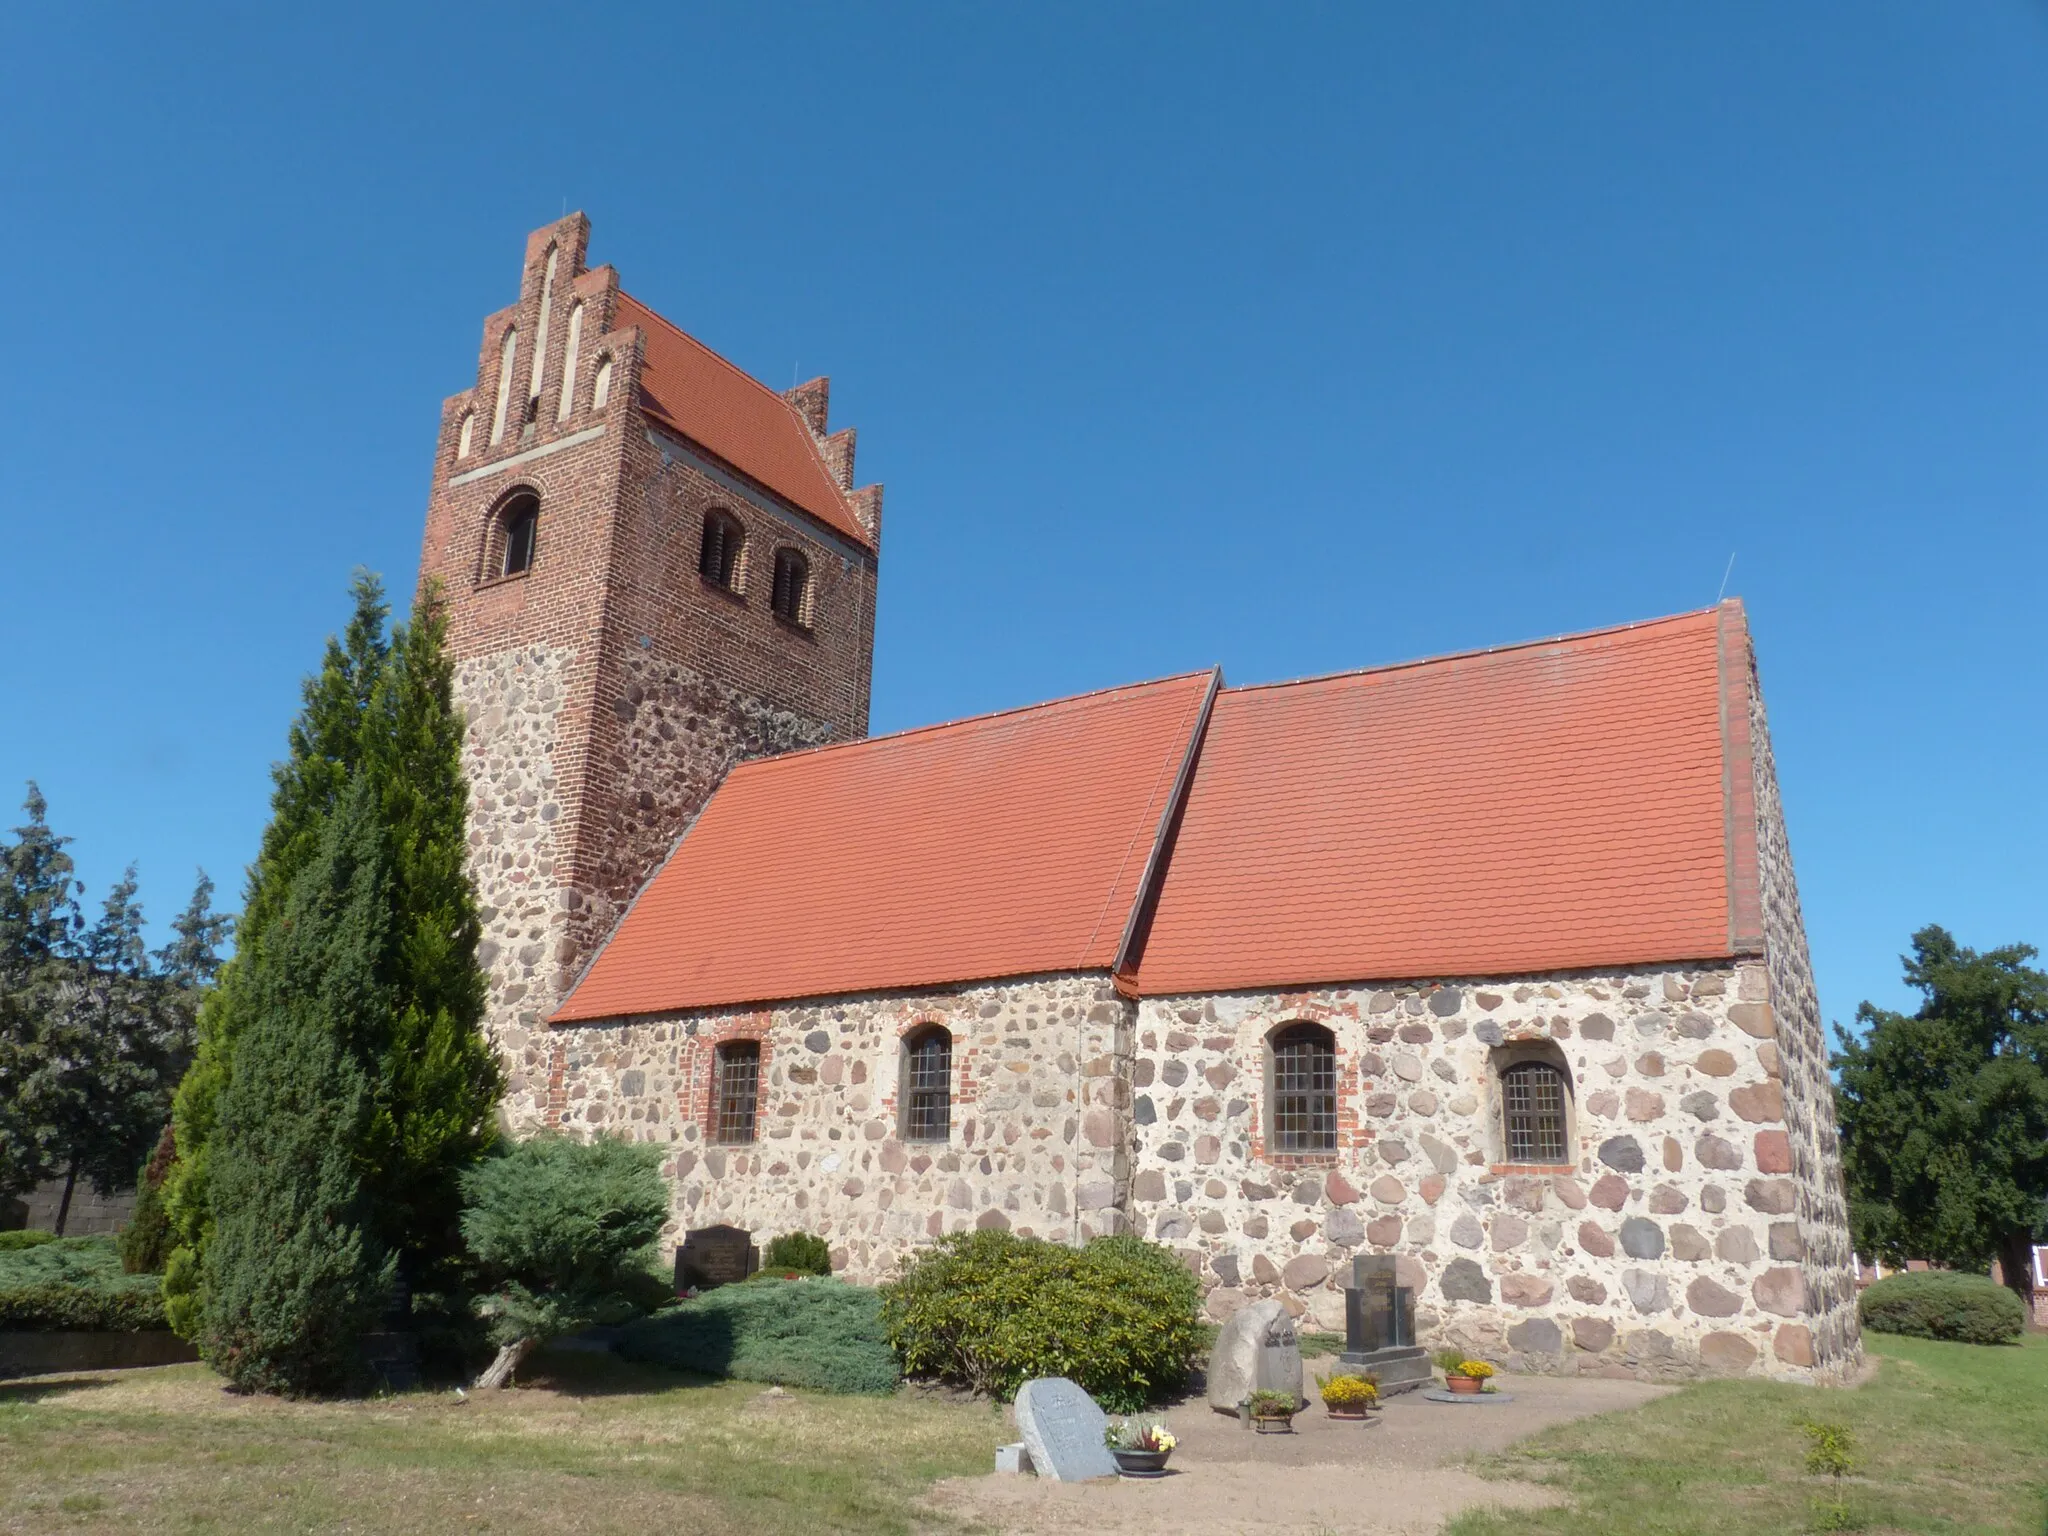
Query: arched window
927 1096
1304 1093
736 1066
462 438
1533 1101
791 599
601 395
718 558
506 351
518 530
569 351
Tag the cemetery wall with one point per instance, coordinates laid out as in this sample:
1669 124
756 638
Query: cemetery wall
1041 1098
1673 1243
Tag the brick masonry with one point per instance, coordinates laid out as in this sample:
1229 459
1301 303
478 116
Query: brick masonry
610 687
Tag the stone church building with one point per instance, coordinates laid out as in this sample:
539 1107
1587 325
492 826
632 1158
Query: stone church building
1493 962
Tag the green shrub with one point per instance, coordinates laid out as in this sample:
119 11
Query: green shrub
11 1242
798 1253
146 1241
75 1283
993 1310
1939 1304
822 1334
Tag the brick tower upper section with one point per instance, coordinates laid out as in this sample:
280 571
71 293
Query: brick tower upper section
655 566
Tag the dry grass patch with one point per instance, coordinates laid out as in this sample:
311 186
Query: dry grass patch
592 1446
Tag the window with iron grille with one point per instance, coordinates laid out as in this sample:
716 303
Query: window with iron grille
792 586
719 557
520 521
738 1069
1533 1101
928 1086
1304 1089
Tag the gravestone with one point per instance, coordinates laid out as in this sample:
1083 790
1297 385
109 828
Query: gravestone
714 1256
1062 1431
1379 1326
1257 1350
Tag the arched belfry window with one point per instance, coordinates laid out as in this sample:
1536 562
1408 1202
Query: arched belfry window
719 556
507 352
1304 1089
927 1095
569 351
736 1068
791 598
1535 1100
517 535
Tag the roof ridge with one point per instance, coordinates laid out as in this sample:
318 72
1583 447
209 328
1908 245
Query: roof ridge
966 720
1480 651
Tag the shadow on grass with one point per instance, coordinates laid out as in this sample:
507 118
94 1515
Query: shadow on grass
37 1389
590 1373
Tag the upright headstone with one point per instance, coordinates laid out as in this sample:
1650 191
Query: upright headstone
713 1256
1379 1326
1257 1350
1062 1431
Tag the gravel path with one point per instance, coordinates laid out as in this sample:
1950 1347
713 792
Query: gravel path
1396 1474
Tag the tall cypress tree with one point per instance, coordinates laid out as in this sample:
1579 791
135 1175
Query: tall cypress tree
294 1271
381 711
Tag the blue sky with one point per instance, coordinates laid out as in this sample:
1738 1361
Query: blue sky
1297 339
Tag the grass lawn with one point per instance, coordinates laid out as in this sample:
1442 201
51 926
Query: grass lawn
1949 1438
595 1445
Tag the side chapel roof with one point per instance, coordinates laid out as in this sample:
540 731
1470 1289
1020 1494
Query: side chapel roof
1565 804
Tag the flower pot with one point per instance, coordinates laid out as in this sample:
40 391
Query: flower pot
1347 1413
1273 1423
1141 1463
1464 1385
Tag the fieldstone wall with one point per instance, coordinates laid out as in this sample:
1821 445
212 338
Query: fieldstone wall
1673 1243
1042 1090
1830 1340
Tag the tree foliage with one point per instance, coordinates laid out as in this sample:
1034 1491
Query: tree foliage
1944 1111
94 1030
295 1273
562 1228
379 712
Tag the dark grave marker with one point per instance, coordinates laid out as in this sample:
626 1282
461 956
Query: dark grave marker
1379 1326
714 1256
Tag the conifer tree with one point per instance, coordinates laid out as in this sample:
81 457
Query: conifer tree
294 1271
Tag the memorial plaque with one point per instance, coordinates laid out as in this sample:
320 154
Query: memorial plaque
1062 1431
1379 1325
714 1256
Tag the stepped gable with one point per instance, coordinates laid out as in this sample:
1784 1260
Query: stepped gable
1008 845
690 388
1565 804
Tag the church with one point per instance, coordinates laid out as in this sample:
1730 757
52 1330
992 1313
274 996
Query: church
1491 962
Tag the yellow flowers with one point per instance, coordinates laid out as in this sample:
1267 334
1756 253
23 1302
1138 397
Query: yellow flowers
1478 1370
1348 1392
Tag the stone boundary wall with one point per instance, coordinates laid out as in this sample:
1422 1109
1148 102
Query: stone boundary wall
1041 1093
1671 1245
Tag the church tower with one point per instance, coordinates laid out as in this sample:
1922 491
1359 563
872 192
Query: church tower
655 566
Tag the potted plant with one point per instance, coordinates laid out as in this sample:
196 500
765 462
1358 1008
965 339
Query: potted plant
1272 1413
1140 1449
1463 1376
1350 1397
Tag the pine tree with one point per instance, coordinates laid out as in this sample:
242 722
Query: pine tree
294 1272
38 926
325 743
381 712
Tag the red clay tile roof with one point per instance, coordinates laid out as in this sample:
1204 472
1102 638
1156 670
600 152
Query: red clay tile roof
687 386
1547 807
1007 845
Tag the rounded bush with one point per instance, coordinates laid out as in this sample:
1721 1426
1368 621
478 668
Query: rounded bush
1937 1304
797 1253
993 1310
